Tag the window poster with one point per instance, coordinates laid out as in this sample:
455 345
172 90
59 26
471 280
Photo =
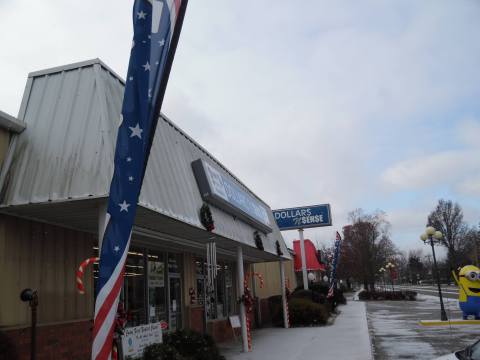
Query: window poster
156 274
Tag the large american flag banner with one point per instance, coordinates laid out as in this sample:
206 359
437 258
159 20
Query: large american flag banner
333 280
157 25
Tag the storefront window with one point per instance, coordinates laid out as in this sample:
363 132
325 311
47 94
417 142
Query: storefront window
152 288
221 299
175 291
156 288
133 294
174 263
200 281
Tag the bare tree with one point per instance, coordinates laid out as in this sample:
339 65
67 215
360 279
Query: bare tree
416 267
471 246
448 218
366 246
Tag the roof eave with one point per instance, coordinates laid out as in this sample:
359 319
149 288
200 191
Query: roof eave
11 123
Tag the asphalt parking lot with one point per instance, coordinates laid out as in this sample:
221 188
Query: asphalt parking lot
396 334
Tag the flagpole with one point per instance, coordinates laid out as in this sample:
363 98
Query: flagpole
166 74
121 221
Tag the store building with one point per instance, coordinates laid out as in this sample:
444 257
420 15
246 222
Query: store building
57 163
312 258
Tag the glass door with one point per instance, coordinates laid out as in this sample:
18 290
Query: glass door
157 311
175 302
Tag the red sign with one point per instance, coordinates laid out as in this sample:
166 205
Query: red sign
393 274
163 325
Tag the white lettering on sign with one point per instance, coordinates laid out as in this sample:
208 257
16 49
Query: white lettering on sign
136 339
300 216
292 214
215 180
234 195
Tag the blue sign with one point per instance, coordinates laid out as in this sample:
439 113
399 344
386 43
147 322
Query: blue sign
221 191
303 217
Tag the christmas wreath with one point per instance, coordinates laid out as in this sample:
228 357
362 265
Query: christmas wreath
258 240
279 249
206 217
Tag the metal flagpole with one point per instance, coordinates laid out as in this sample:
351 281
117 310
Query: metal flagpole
241 292
304 261
131 158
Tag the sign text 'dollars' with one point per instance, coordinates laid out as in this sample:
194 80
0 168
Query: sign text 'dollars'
303 217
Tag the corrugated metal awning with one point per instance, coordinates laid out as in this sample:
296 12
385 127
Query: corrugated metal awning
63 163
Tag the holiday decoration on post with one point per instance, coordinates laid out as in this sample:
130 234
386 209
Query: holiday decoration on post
279 249
211 275
258 240
248 301
287 295
206 217
81 272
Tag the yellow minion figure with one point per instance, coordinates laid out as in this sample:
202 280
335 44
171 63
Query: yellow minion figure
468 282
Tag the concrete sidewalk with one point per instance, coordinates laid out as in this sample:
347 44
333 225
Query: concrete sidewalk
347 338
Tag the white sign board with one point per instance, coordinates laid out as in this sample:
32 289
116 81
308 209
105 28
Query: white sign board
136 339
235 321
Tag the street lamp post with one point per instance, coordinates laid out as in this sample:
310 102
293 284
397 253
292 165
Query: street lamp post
390 268
382 271
433 236
311 278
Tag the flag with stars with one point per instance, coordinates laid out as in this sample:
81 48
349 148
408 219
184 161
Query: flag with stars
157 25
333 280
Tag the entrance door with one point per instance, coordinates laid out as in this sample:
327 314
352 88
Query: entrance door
156 289
175 302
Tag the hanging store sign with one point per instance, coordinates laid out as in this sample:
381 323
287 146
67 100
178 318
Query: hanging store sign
221 191
303 217
136 339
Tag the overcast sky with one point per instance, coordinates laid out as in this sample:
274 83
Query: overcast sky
360 104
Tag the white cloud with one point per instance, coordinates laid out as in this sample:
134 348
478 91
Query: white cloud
426 171
468 132
470 186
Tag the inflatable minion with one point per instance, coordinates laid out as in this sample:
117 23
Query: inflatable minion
468 282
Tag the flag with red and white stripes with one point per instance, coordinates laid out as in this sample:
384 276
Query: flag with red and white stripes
333 280
157 25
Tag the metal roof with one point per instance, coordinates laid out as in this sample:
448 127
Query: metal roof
66 153
10 123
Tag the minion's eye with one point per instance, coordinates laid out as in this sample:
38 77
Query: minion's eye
472 276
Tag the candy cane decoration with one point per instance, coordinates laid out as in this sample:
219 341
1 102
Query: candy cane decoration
81 271
287 280
260 277
248 303
114 352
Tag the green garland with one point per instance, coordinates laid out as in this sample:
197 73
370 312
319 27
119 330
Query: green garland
206 217
279 249
258 240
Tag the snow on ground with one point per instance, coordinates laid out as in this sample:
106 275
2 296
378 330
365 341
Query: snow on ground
348 338
396 333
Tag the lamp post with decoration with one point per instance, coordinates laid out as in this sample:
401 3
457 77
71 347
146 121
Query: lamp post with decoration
391 270
432 237
382 271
